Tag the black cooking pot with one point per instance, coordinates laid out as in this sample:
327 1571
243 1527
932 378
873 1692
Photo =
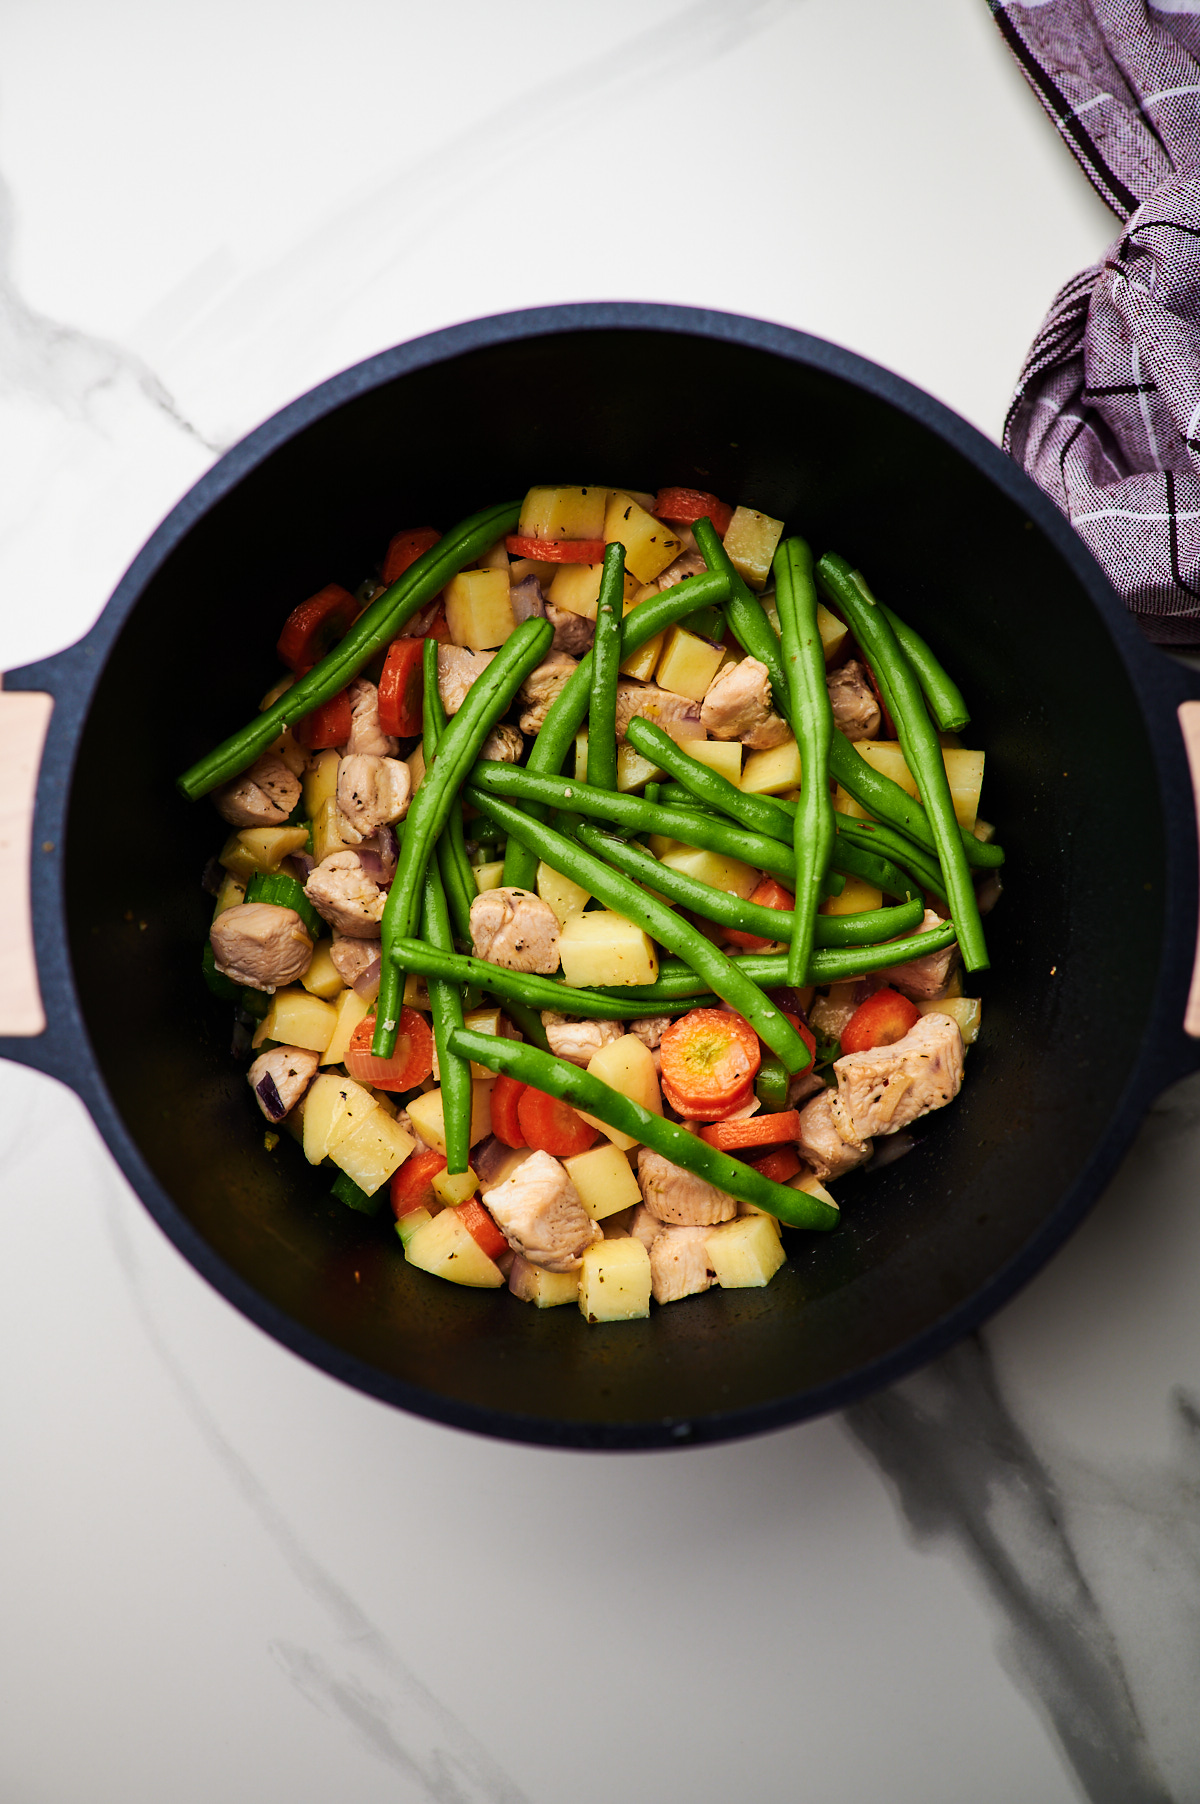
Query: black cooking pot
1092 944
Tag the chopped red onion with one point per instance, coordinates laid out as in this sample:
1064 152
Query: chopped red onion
366 984
269 1097
789 1000
300 866
387 844
371 863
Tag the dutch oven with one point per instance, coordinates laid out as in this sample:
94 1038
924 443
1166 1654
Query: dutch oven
1093 943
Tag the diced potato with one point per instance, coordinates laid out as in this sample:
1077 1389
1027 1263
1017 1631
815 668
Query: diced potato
261 849
688 663
954 983
333 1108
384 1100
545 1290
408 1224
522 567
614 1282
857 896
713 868
745 1252
812 1186
661 843
416 767
231 892
571 513
425 1113
489 876
966 1010
984 831
626 1065
323 978
604 1180
275 691
832 630
633 771
416 992
297 1019
445 1248
495 557
320 783
561 894
964 772
750 543
327 831
650 545
351 1009
642 663
602 947
478 610
453 1188
772 773
722 755
373 1150
480 1021
576 589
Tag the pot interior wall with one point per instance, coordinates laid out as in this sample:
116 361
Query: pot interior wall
1075 941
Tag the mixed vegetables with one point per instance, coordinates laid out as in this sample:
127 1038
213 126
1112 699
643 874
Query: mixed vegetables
602 1034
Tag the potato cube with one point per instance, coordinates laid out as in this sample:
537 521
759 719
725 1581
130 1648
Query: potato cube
297 1019
478 610
351 1009
416 992
444 1247
750 543
626 1065
614 1282
633 771
744 1252
489 876
604 1180
774 772
408 1224
453 1188
373 1150
855 897
231 892
323 978
261 849
495 557
812 1186
966 1010
571 513
480 1021
964 772
320 783
576 589
832 630
713 868
546 1290
650 545
642 663
416 767
333 1107
602 947
327 831
688 663
561 894
522 567
722 755
425 1113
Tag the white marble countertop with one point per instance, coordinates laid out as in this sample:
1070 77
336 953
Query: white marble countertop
224 1575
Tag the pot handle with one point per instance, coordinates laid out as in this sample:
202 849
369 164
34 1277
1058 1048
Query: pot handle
24 719
1189 722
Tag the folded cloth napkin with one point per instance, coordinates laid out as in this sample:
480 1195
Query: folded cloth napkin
1106 417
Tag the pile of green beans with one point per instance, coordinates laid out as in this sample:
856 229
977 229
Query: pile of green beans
514 987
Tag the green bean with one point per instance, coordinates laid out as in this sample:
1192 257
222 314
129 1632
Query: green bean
527 1019
654 917
886 801
373 629
707 786
771 1085
812 723
566 712
555 1077
944 696
873 837
487 699
922 753
517 987
446 1011
458 877
745 614
606 668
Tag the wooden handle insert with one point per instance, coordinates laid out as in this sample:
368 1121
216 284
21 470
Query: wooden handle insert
24 718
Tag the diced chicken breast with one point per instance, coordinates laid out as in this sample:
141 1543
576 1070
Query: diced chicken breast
650 1029
457 670
738 706
526 600
372 792
539 1213
829 1014
366 734
679 1196
352 956
341 891
578 1041
852 699
677 715
821 1146
645 1226
886 1087
505 744
260 945
291 1069
801 1087
262 796
923 979
516 930
542 687
573 633
688 563
679 1264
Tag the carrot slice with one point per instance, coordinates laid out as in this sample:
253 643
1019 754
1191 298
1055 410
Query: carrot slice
780 1165
506 1094
412 1184
881 1020
409 1065
682 507
556 551
480 1226
405 549
328 724
310 630
709 1060
768 894
551 1126
402 688
757 1130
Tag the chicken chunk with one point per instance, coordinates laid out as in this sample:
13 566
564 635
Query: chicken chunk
678 716
573 633
679 1196
822 1146
650 1029
886 1087
578 1041
505 744
344 895
923 979
372 792
291 1069
351 957
457 670
802 1086
516 930
366 734
679 1264
542 687
852 699
262 796
526 600
688 563
738 706
539 1213
645 1226
260 945
829 1014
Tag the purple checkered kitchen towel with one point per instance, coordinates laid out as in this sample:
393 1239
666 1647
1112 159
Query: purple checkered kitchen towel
1106 417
